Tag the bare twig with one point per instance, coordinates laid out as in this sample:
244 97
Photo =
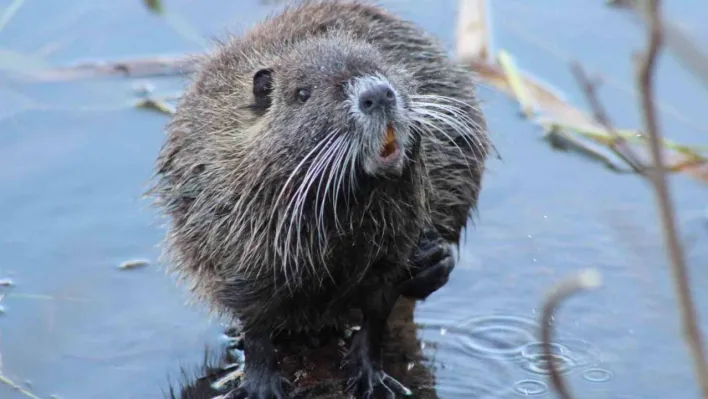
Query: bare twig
645 82
585 280
686 51
619 144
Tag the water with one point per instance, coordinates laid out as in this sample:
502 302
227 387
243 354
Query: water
75 158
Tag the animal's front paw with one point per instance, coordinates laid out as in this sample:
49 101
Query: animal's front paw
271 386
432 262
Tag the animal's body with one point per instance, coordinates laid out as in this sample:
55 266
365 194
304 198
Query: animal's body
301 169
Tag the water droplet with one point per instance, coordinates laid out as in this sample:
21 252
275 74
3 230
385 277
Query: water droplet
443 331
538 364
535 361
530 387
597 375
536 348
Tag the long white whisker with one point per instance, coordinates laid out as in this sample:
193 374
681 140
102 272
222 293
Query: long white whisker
289 207
338 159
320 215
466 130
301 195
297 169
460 105
429 125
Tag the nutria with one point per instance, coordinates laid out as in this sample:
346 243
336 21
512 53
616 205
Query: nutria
325 162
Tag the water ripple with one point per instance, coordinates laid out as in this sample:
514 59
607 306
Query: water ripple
507 358
597 375
495 336
531 387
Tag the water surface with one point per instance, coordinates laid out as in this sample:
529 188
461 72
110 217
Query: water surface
75 158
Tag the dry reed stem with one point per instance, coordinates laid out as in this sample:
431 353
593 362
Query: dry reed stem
553 109
584 280
686 51
619 144
473 33
645 81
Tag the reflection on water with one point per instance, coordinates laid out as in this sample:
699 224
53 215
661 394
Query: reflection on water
75 158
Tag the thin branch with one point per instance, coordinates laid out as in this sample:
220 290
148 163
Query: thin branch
687 52
619 144
585 280
645 83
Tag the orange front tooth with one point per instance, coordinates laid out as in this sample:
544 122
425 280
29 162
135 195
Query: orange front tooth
390 136
390 142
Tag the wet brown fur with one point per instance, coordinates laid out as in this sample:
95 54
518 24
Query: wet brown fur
220 172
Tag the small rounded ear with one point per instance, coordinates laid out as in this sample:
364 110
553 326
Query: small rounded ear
262 88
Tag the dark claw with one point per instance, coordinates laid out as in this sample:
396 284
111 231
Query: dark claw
368 379
430 280
432 262
365 371
432 247
430 254
274 387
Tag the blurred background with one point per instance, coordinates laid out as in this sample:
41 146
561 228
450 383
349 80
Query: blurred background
76 155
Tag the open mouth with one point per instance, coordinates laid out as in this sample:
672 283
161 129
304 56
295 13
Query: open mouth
390 147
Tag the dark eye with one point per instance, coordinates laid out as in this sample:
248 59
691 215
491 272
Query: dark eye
303 94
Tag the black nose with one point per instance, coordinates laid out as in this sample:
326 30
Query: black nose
377 98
